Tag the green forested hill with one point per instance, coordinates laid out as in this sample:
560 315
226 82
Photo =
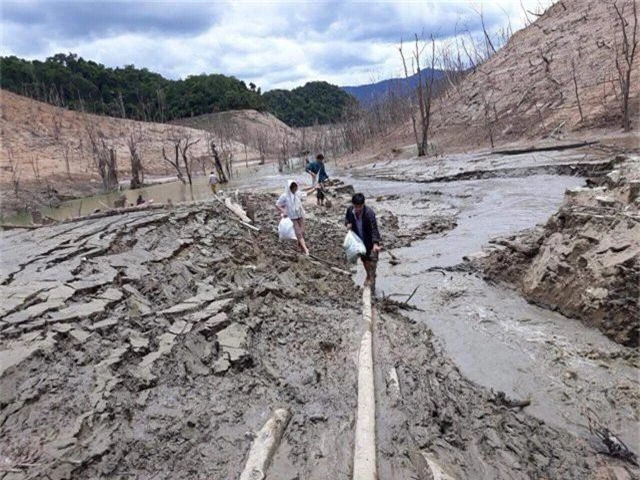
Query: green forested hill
73 82
316 102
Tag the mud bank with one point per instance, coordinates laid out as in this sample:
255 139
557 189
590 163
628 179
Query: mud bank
585 261
153 345
584 162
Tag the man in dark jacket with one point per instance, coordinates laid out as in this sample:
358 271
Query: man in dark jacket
362 221
317 171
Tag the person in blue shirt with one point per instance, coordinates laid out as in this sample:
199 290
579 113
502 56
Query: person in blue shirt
317 171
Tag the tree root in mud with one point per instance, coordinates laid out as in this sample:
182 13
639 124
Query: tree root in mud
387 304
605 442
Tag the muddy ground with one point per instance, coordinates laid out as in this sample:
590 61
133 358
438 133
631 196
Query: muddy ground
585 261
152 344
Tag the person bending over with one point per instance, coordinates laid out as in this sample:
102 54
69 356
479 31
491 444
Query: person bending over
317 171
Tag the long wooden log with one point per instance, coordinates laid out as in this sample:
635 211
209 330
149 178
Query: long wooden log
364 456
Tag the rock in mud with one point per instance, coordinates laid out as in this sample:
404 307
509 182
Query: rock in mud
234 342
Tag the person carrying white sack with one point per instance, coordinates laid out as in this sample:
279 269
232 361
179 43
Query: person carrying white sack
290 206
361 220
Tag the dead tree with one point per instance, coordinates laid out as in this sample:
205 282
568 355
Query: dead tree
222 178
109 155
262 142
490 50
488 121
16 171
123 112
625 52
575 86
414 122
57 112
245 139
175 163
452 65
34 160
284 152
424 93
227 155
66 153
104 158
181 145
203 162
185 159
137 172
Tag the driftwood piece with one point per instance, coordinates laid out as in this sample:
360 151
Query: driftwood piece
265 445
235 208
338 270
238 213
333 266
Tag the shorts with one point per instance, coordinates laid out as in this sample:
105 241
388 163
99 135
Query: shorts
298 227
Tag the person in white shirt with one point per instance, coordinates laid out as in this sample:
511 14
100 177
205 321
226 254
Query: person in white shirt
290 205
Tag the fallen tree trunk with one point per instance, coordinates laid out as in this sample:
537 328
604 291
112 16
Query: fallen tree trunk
264 446
518 151
9 226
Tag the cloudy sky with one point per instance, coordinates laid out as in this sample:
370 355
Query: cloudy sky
274 44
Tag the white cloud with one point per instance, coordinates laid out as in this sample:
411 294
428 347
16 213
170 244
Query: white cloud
272 44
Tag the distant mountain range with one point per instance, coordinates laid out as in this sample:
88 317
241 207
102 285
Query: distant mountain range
374 92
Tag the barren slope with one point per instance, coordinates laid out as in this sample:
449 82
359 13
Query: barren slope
37 133
527 87
248 127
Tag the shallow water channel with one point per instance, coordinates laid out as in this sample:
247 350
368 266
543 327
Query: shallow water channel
495 337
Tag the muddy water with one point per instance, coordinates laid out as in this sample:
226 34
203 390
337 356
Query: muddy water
496 338
161 192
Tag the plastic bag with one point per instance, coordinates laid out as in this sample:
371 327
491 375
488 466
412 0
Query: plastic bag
285 229
353 247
